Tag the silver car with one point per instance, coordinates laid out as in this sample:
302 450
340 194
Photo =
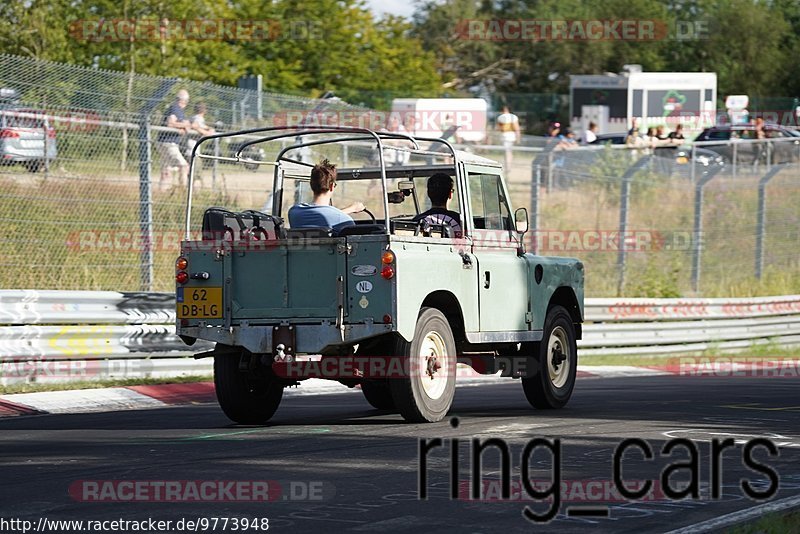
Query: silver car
26 137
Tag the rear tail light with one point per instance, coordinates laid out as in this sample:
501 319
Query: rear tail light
182 277
387 258
7 134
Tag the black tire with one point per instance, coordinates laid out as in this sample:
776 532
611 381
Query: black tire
378 394
425 392
551 387
247 398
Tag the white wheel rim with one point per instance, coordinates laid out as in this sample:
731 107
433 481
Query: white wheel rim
433 365
558 347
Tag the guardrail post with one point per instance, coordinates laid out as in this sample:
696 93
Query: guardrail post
536 183
145 204
698 226
624 203
761 223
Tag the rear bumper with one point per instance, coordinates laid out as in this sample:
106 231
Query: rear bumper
311 339
21 155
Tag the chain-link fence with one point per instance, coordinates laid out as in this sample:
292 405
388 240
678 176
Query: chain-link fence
80 184
715 219
80 171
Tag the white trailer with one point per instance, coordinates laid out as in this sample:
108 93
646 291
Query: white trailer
655 98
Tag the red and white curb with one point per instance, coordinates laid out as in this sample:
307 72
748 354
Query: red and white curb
157 396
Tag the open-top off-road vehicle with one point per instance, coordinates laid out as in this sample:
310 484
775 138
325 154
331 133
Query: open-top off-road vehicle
390 304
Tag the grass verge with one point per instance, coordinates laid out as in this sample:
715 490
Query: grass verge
765 351
90 384
776 523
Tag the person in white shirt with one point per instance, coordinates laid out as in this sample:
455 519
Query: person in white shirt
589 135
508 125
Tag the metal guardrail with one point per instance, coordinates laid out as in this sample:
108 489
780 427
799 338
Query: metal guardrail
92 327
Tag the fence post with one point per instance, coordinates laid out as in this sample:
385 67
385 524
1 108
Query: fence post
735 157
536 184
214 165
550 170
146 204
624 203
698 226
761 223
692 169
46 148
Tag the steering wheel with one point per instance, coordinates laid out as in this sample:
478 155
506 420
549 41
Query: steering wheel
365 210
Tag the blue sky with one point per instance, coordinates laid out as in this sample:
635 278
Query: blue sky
403 8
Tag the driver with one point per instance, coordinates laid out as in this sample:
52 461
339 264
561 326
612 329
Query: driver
320 212
440 191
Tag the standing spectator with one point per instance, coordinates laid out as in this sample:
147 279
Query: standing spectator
633 140
762 147
198 120
169 142
199 125
649 137
508 125
567 141
589 135
677 137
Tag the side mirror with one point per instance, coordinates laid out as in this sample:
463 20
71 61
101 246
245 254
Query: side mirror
396 197
521 220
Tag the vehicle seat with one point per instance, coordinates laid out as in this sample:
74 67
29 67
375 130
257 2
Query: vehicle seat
309 231
362 229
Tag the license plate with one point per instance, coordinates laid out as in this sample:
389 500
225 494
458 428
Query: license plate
28 143
199 302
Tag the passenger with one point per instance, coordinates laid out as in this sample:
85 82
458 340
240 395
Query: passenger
440 191
320 212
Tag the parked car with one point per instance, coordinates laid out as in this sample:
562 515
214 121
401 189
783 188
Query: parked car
786 149
26 136
682 155
613 138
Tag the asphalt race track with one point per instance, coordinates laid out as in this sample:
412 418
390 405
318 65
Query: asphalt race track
361 465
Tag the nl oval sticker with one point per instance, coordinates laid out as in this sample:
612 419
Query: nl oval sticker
364 286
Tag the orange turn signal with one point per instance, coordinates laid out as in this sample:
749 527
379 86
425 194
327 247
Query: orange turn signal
181 263
387 257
